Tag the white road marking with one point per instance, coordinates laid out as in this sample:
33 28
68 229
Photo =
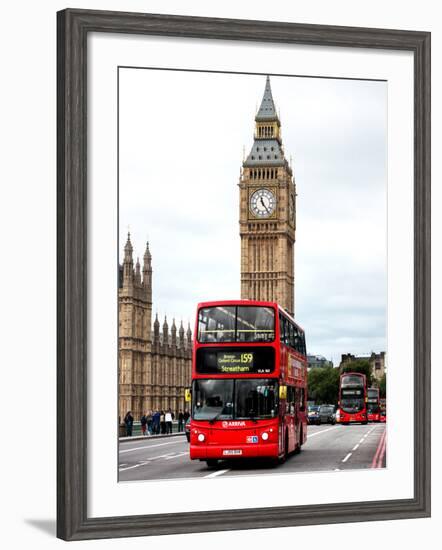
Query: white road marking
148 447
355 447
217 473
347 457
129 468
176 456
144 462
319 433
337 469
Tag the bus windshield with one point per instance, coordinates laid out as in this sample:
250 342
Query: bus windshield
352 404
351 380
235 399
236 324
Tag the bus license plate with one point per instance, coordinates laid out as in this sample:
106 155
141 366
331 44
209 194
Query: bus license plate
232 452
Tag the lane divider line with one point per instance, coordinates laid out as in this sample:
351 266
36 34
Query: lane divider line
321 432
356 446
148 447
144 462
177 456
347 457
217 473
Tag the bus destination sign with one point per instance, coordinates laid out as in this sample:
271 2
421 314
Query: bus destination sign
235 361
353 392
245 360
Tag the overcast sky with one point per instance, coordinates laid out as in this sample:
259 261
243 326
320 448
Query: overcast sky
182 136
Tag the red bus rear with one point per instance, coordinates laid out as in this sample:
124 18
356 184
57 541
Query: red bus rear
373 405
249 382
352 404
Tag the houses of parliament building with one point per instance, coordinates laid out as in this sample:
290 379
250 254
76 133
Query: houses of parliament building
154 362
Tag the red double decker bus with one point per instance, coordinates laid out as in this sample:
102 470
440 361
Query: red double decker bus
373 405
352 404
249 382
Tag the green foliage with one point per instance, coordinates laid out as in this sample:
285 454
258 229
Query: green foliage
358 365
383 386
323 385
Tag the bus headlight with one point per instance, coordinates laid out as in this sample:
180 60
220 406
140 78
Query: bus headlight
201 437
265 436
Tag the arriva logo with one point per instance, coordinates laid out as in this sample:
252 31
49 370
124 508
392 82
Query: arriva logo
231 423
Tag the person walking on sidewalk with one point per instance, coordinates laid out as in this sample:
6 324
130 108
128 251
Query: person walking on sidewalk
156 423
168 417
149 419
163 422
180 421
129 422
143 421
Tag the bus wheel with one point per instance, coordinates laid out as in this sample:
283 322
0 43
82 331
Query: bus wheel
212 463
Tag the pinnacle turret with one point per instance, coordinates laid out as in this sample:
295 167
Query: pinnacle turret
128 249
267 149
267 110
128 264
138 272
173 332
156 329
165 331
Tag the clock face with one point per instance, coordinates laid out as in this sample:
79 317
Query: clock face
262 203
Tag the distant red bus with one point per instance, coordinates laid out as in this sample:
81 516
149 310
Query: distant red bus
383 407
352 404
249 382
373 405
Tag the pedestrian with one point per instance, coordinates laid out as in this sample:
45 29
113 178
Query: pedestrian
143 421
156 423
186 416
180 421
149 422
129 422
168 418
163 422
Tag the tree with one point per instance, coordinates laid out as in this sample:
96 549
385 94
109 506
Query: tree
323 385
358 365
383 386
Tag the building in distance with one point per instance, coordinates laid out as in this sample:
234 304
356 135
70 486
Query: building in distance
318 362
377 362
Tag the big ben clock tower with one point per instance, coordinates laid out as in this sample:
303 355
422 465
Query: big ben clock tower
267 213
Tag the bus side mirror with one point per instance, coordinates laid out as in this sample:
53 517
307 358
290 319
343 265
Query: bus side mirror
282 392
187 395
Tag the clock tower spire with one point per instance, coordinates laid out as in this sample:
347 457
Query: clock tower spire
267 213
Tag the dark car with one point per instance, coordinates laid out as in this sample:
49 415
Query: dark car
187 429
327 414
313 414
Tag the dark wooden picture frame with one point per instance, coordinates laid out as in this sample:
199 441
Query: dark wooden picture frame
72 236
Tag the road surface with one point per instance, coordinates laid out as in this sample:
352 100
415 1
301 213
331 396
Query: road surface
328 448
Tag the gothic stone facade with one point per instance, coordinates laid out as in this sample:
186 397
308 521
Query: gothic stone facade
267 213
154 367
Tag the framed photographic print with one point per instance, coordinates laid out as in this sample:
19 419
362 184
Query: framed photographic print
243 274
